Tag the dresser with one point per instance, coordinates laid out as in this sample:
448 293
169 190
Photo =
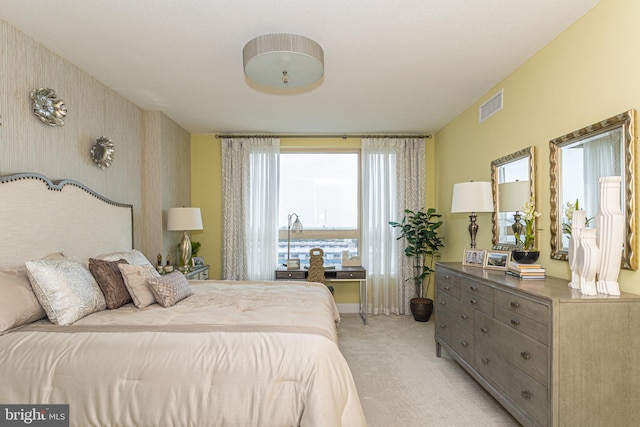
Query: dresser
548 354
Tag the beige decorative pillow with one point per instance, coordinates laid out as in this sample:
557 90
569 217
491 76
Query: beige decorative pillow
170 288
110 280
135 279
18 303
66 290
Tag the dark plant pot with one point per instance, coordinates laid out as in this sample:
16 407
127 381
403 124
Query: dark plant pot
421 308
525 257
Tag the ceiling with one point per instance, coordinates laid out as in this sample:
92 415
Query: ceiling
391 66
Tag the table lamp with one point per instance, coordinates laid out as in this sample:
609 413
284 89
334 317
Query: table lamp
184 219
295 227
472 197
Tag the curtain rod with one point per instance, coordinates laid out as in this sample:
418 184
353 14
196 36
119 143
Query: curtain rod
343 136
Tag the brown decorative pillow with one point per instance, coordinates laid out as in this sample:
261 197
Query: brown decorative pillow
170 288
110 280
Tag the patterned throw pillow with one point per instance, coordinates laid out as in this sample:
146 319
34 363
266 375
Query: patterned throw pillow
66 290
170 288
110 280
135 279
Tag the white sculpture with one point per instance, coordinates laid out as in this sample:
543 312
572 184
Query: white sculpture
610 226
578 221
588 259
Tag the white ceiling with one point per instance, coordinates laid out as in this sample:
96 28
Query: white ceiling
391 66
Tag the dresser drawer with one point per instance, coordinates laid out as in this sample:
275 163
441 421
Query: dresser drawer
524 307
448 282
522 390
290 275
469 300
355 275
521 351
531 328
476 288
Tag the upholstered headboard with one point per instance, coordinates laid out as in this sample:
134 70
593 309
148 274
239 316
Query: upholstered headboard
39 216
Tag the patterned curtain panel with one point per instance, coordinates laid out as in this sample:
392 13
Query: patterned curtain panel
250 173
393 179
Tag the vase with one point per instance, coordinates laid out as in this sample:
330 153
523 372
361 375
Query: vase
610 226
525 257
421 308
578 221
587 261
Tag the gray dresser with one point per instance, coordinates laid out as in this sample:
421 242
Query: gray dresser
548 354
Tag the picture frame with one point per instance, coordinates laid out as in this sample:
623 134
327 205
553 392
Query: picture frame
496 260
197 261
473 257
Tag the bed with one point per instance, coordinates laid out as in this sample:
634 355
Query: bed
224 354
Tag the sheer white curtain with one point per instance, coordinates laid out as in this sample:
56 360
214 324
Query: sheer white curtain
393 179
250 174
601 157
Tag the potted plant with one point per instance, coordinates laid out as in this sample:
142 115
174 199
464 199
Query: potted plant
527 253
420 232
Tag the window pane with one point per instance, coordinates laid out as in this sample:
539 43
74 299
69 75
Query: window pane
322 189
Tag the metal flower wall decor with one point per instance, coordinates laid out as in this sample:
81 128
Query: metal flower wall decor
102 152
47 107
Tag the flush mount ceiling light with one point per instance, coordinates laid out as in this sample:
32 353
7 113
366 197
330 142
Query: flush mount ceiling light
283 60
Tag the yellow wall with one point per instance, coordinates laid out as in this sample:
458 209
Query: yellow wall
588 73
206 193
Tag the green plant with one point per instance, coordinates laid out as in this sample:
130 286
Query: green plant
420 231
195 247
529 215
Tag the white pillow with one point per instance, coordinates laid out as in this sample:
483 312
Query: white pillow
135 279
66 290
133 257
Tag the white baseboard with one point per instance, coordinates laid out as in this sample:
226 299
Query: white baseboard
344 308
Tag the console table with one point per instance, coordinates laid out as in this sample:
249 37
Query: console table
337 274
550 355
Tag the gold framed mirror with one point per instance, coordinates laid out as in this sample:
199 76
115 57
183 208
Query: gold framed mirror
513 180
577 160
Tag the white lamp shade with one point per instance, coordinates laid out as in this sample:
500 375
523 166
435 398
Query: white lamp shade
472 197
512 196
180 219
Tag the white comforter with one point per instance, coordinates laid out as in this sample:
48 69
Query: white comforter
233 354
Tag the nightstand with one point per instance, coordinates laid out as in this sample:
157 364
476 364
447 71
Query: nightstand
198 273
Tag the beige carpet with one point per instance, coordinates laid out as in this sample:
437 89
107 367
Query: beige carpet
402 383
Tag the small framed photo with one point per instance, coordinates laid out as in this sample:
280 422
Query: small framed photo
473 257
497 260
197 261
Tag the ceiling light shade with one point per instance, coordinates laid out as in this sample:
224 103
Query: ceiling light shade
283 60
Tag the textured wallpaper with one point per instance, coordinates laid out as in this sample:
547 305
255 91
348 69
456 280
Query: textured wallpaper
151 163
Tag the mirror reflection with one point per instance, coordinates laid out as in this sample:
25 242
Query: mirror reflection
513 183
578 160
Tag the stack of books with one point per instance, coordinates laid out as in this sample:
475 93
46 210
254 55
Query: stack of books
526 271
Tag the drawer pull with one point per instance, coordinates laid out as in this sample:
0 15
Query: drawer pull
443 303
464 317
525 394
473 288
484 330
473 301
464 344
515 322
514 304
485 361
525 355
447 288
289 274
443 326
446 276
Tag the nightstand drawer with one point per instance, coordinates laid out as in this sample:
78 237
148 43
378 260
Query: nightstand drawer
346 275
290 275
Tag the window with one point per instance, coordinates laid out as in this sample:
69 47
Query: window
323 189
